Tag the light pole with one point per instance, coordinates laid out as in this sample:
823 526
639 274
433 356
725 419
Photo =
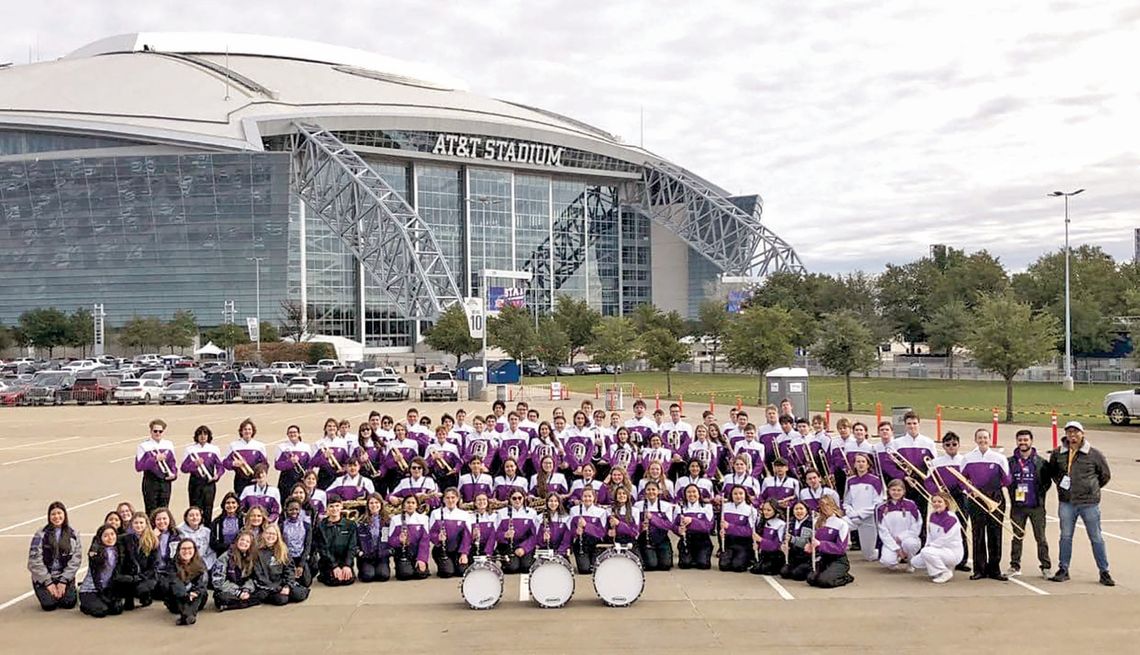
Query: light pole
1068 382
257 268
486 201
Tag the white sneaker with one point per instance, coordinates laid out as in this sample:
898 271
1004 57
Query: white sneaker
1013 572
1045 573
910 568
943 578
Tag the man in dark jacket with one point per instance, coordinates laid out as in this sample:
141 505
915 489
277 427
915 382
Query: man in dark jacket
1079 471
335 540
1029 482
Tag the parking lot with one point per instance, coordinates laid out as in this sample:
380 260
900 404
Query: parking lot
84 457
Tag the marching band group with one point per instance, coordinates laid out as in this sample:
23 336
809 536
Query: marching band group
780 497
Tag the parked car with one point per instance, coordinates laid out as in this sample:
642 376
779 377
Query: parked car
92 389
183 374
303 389
1122 406
370 375
13 393
161 376
285 368
180 393
347 386
80 365
535 369
327 364
440 385
565 369
223 386
140 391
50 388
263 387
390 387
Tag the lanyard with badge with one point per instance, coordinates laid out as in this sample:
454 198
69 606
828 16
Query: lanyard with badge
1022 491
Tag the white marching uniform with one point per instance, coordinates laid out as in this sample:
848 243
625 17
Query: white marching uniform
899 528
864 495
943 549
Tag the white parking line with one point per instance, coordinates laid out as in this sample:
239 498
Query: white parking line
1080 524
773 583
1121 493
1040 592
120 459
70 509
38 443
67 452
27 594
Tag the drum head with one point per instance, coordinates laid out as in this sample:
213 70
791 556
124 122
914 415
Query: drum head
618 578
551 582
482 585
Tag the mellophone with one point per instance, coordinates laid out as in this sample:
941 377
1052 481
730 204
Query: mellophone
618 578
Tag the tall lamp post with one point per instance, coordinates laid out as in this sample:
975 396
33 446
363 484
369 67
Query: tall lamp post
1068 382
257 265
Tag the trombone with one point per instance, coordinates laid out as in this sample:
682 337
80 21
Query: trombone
910 470
988 505
942 488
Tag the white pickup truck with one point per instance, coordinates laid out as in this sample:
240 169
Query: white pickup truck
263 388
440 385
1122 406
347 386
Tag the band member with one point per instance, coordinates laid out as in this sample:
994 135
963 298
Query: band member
226 526
588 481
884 453
54 559
942 479
514 534
830 567
988 472
547 480
769 538
780 487
513 443
657 519
697 477
859 443
196 530
655 451
461 431
417 485
400 450
1029 483
588 523
753 452
335 541
917 450
167 538
482 527
624 522
330 452
409 541
352 485
297 533
640 427
798 540
260 494
186 583
654 473
617 479
899 527
863 496
481 443
738 520
203 461
781 445
372 531
443 460
543 444
136 580
693 526
293 457
498 419
740 477
154 458
813 490
552 527
769 430
244 454
734 431
316 498
579 443
98 596
275 574
369 453
622 453
417 431
449 529
476 482
943 549
235 575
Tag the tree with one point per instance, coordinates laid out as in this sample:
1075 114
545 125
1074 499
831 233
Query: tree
181 330
143 333
760 339
947 329
663 351
713 320
81 330
296 324
551 345
451 335
227 336
6 338
577 319
614 343
903 293
45 328
846 346
648 317
268 332
512 331
1007 336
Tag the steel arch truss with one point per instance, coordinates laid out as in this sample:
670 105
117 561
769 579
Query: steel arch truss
392 242
729 235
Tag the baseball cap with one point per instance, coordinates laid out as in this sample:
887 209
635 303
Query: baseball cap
1076 425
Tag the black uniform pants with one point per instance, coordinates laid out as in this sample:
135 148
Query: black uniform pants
770 562
48 602
831 571
1035 516
374 569
447 562
695 552
155 492
201 495
656 555
98 605
986 532
737 554
798 566
585 554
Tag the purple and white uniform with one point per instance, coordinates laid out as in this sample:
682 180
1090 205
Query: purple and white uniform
514 445
833 537
664 486
623 456
482 446
701 515
899 527
553 533
640 429
939 474
771 533
415 527
456 526
754 451
917 450
330 455
285 452
943 549
811 497
988 471
152 454
783 491
596 521
556 484
471 486
505 485
732 480
676 435
210 457
703 484
448 453
408 450
523 520
541 449
579 445
414 486
482 534
351 488
578 486
741 519
886 463
863 496
264 496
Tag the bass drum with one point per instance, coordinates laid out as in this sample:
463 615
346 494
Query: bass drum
482 584
551 581
618 577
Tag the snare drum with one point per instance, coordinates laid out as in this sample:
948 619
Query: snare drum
551 581
482 584
618 577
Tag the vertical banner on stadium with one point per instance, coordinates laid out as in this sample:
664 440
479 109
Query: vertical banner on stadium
500 297
736 300
254 328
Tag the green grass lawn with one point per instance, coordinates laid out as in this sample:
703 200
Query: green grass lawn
961 400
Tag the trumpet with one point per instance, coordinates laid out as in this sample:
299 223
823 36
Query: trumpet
988 505
367 461
400 461
244 466
298 468
438 456
330 457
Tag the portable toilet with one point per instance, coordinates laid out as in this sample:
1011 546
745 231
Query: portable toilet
476 382
790 383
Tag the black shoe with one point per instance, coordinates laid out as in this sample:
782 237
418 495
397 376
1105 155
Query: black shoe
1062 575
1106 579
962 567
977 576
999 577
191 620
181 621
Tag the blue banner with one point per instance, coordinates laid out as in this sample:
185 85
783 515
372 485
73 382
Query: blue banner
736 300
500 297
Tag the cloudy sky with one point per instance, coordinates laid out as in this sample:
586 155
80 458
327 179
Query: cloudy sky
872 129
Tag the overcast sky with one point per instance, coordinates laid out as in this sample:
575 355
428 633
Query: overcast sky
872 129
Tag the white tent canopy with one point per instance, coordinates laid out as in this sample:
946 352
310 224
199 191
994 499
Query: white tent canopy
210 350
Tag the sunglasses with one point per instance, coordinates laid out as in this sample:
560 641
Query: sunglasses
417 468
157 430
